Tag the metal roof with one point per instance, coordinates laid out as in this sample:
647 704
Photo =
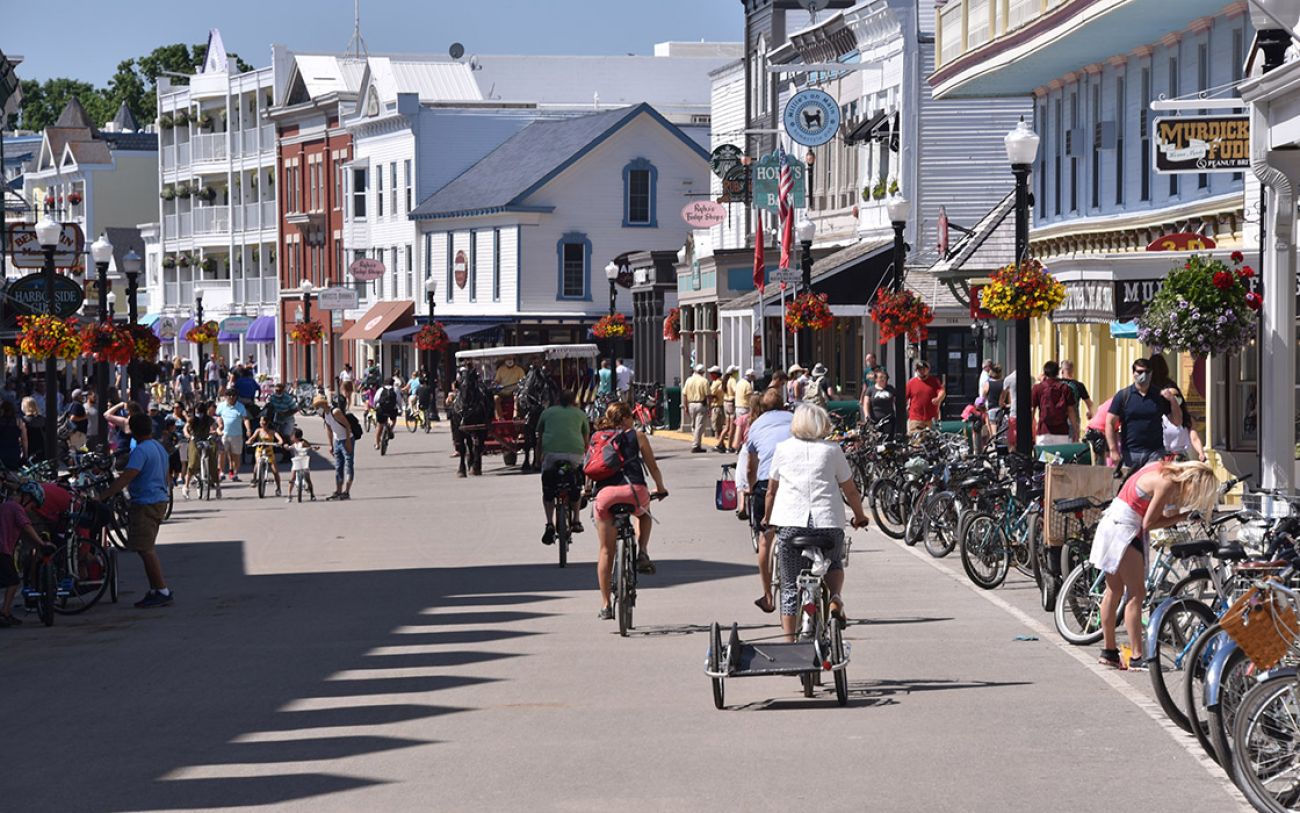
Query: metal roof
664 82
432 81
991 244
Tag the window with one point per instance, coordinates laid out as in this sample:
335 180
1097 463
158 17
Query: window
392 187
1042 161
410 271
1075 149
1120 118
1173 94
473 266
574 250
1096 145
406 167
392 277
314 189
1202 84
358 285
496 265
379 191
338 183
358 194
1144 136
639 180
1056 160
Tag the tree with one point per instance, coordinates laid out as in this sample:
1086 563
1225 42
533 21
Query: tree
44 101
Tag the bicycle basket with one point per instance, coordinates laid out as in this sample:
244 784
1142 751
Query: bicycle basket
1263 625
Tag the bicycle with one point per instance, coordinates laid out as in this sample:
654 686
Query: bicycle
384 438
368 419
207 484
417 418
625 564
566 509
262 467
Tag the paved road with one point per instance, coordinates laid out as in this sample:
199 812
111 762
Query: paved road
418 649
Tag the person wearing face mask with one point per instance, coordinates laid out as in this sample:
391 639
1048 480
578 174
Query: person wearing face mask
1140 410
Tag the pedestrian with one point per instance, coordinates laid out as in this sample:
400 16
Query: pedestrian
992 394
301 475
146 476
717 415
92 420
869 367
201 426
1157 495
235 426
729 377
807 470
780 381
212 377
338 429
623 381
1007 403
794 384
740 396
986 371
1182 440
562 434
13 437
819 390
77 423
34 421
880 405
1139 408
604 381
976 418
266 433
765 434
183 385
14 526
925 394
695 400
1081 397
1053 410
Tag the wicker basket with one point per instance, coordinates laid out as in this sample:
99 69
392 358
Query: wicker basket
1263 626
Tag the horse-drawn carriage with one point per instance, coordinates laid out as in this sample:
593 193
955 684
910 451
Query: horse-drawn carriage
485 421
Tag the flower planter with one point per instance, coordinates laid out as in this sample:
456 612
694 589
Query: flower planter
431 338
1026 291
1205 306
809 311
306 332
901 313
612 327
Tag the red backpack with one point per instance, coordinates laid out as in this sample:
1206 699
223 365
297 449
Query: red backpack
605 457
1054 406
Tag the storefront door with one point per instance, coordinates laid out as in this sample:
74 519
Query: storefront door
953 354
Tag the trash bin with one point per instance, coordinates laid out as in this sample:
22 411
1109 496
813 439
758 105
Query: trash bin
1080 453
673 406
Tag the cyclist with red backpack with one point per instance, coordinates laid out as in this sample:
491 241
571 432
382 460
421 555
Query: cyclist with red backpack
615 457
1053 413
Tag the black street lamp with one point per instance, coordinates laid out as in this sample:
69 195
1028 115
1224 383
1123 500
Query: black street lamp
306 287
101 251
899 208
203 352
804 233
48 232
1022 148
611 274
131 264
431 370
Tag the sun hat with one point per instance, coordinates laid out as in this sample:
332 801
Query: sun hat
818 370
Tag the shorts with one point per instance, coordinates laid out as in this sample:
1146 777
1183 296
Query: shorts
8 572
551 475
757 505
742 410
626 494
142 526
382 415
729 407
916 426
232 445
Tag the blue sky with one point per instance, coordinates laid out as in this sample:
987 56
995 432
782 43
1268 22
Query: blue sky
103 34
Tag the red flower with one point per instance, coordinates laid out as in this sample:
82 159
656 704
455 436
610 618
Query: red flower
1254 301
1238 257
1246 272
1222 280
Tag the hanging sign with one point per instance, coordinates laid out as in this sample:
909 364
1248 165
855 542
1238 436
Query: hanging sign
26 296
1194 144
767 177
460 269
236 325
337 299
812 117
702 214
724 158
366 269
1132 295
737 186
27 251
1182 241
1086 302
167 328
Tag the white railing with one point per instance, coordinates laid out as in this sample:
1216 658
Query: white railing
270 289
211 220
1020 12
978 27
237 217
182 154
187 293
170 228
210 147
268 138
252 217
185 225
950 34
172 293
268 214
249 140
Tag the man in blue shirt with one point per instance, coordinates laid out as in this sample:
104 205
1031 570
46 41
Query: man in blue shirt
234 428
771 427
147 476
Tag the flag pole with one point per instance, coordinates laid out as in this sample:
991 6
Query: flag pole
781 322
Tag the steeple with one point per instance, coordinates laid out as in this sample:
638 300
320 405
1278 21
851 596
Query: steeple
124 121
74 115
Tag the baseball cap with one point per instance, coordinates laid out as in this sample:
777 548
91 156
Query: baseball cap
699 368
715 369
749 372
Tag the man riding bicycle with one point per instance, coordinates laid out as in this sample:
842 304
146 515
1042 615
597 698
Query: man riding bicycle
562 433
281 407
387 401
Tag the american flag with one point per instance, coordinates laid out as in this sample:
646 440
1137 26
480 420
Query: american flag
785 187
760 266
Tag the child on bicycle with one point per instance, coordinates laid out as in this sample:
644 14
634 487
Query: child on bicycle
264 435
301 474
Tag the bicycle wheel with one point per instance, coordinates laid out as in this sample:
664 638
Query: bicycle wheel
562 530
370 421
1236 678
259 475
942 536
1265 761
715 665
623 591
171 502
1078 606
1198 585
47 587
985 556
1048 582
384 437
112 572
424 419
1182 622
1200 657
886 509
83 576
838 655
121 519
412 421
917 526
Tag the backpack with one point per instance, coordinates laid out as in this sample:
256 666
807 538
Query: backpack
357 432
816 393
387 399
1054 406
604 455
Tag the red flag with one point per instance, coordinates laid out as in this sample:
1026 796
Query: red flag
760 267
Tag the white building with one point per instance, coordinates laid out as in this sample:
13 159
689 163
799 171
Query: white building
217 199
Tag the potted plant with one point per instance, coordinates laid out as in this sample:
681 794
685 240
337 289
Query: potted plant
169 262
901 313
209 264
252 181
48 337
107 342
256 254
866 193
431 338
306 332
182 190
270 254
808 310
205 333
207 194
1203 307
611 327
1022 292
144 344
182 118
49 201
204 120
74 198
893 186
184 261
168 192
673 325
165 121
878 191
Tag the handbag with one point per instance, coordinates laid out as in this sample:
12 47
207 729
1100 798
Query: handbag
724 496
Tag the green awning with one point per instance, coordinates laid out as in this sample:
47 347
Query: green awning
148 319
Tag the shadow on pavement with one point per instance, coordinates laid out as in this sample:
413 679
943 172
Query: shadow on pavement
211 702
866 693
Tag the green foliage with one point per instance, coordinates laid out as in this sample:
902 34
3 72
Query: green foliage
135 82
1203 307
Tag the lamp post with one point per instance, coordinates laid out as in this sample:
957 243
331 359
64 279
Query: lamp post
611 274
203 355
430 292
131 264
48 232
306 287
1022 147
101 251
804 232
899 208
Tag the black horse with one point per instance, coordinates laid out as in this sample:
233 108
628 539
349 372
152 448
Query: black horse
471 407
535 393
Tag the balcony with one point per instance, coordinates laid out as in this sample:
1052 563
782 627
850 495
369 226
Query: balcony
209 147
211 220
1010 47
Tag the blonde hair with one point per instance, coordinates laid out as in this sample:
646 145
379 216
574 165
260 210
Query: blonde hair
29 406
1198 486
810 422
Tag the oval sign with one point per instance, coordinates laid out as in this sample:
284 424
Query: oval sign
27 295
167 327
460 269
366 269
702 214
237 325
812 117
1182 241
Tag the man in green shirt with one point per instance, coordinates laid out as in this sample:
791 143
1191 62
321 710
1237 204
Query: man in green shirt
562 433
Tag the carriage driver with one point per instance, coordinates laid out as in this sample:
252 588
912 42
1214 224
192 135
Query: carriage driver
508 376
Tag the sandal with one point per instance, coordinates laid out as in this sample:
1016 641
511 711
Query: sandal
837 609
765 604
10 621
1110 657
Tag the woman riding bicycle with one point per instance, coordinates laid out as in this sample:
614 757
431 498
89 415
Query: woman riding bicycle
807 476
1158 495
626 487
201 426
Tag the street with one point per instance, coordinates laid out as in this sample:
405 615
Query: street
417 648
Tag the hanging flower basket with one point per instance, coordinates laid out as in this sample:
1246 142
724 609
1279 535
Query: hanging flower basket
165 121
431 338
74 198
673 325
1205 306
169 261
808 311
167 193
184 261
144 344
306 332
209 264
612 327
47 337
1025 292
182 118
106 342
901 313
205 333
183 190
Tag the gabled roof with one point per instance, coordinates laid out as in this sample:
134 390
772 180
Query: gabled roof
322 74
88 152
989 245
551 80
430 81
530 159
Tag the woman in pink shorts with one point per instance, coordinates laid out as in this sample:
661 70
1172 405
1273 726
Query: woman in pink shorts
626 487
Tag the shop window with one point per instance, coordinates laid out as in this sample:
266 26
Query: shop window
639 180
574 273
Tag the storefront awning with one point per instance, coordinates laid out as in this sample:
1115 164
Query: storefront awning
401 335
185 328
849 276
262 331
149 318
1123 330
863 131
459 331
989 245
384 316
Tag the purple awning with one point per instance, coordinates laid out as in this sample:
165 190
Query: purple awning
262 331
185 328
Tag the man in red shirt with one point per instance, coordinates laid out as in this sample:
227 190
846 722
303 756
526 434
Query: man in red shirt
1053 405
925 395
